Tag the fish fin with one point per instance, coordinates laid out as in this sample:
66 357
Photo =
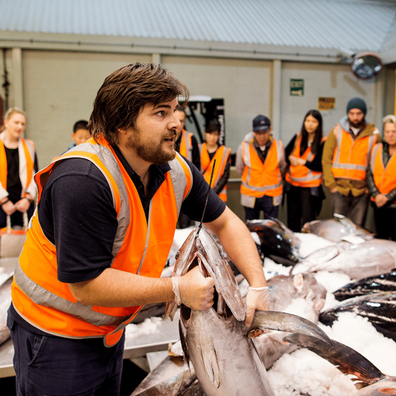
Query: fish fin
281 321
184 344
346 359
212 369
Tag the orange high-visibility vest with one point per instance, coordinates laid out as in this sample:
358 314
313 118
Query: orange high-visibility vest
28 150
259 179
141 247
300 175
351 157
221 156
186 145
384 177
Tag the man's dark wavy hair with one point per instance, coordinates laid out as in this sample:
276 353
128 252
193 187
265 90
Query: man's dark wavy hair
125 92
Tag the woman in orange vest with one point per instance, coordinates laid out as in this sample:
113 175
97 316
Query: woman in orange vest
17 166
304 177
211 151
381 179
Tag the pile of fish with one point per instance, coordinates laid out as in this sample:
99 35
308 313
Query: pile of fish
211 339
216 341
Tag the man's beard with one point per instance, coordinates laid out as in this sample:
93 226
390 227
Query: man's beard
356 124
155 155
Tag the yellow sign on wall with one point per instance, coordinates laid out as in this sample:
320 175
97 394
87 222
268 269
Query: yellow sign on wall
326 103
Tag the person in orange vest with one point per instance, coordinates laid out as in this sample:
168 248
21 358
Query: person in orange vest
381 179
186 144
18 163
101 235
345 159
260 161
303 180
211 151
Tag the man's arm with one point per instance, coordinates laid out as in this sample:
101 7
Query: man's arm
115 288
327 161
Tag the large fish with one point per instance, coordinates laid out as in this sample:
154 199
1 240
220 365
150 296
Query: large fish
378 308
216 340
336 229
370 258
276 240
372 284
369 380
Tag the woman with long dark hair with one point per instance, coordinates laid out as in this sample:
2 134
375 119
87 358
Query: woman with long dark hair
304 177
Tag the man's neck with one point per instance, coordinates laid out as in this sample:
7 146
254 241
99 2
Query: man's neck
140 166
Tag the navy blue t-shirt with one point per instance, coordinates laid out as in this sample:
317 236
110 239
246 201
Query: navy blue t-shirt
76 213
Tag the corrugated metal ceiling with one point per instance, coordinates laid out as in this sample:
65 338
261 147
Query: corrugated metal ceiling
354 24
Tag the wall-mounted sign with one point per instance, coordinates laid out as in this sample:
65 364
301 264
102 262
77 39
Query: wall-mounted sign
296 87
326 103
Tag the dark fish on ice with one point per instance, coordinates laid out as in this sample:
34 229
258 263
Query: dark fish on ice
379 308
369 379
370 258
336 229
216 340
372 284
276 241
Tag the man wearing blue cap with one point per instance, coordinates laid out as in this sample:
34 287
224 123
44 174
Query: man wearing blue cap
346 157
260 162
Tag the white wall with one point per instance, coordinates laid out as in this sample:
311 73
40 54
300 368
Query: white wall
244 85
59 89
321 80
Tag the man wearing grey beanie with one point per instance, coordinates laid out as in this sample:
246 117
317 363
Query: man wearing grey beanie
346 157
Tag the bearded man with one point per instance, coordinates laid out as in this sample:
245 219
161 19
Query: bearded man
346 157
101 235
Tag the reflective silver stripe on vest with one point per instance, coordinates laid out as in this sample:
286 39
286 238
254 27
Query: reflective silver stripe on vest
111 164
337 165
43 297
30 149
372 162
179 180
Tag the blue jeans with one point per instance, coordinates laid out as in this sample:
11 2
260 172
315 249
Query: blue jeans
265 204
56 366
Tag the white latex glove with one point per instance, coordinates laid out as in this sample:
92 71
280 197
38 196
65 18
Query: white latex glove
256 298
193 290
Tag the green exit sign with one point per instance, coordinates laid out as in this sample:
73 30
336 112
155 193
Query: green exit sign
296 87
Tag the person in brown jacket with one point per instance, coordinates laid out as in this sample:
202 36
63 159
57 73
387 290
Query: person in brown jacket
345 159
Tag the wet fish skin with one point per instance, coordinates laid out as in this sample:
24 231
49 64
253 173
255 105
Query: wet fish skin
369 285
336 229
277 241
212 339
379 308
170 378
371 258
369 379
